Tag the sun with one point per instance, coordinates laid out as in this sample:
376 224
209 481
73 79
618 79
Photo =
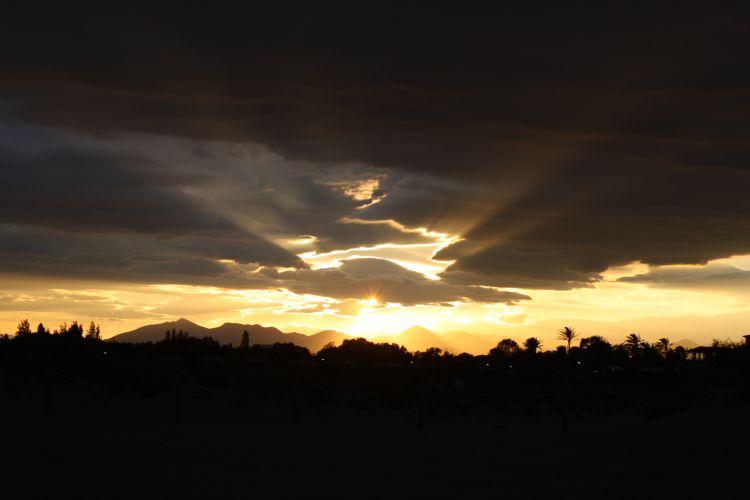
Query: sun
371 301
375 319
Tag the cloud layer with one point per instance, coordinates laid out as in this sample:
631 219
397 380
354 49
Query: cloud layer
556 141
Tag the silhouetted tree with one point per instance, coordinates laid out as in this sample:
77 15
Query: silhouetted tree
665 346
651 353
280 352
596 349
431 354
532 345
24 328
93 332
362 350
593 341
505 348
75 330
40 330
245 342
680 353
725 344
633 343
567 334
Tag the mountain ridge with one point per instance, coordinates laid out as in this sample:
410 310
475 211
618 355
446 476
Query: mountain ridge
231 333
414 338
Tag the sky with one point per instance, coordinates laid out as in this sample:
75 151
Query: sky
505 172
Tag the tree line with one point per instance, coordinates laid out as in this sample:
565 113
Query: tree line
74 330
633 347
594 348
585 374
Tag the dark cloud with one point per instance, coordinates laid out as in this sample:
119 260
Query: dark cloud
710 277
183 260
571 228
126 200
439 90
129 257
91 190
557 139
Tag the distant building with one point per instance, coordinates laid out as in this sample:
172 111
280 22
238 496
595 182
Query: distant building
700 352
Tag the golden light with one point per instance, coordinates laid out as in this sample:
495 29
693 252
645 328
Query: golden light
371 301
305 239
391 319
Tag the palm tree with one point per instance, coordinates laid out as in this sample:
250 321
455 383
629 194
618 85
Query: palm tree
665 345
633 343
567 334
532 345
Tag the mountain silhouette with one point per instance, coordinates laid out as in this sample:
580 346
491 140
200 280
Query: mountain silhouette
419 338
265 335
414 338
231 333
474 343
685 343
155 333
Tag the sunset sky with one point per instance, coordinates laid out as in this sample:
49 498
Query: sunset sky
507 172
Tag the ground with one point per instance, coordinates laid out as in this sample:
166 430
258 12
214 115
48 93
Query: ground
93 446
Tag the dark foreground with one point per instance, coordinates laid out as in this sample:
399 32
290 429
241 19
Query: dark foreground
219 446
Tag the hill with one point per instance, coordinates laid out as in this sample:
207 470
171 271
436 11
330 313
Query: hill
418 338
473 343
231 333
155 333
686 344
415 338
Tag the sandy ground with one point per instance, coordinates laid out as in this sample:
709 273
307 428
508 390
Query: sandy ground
89 447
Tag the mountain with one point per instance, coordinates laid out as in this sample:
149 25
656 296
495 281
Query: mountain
319 340
415 338
686 344
155 333
266 335
418 338
231 333
473 343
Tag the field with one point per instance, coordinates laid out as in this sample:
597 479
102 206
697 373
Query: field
81 443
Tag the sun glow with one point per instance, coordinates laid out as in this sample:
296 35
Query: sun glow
370 302
389 319
611 308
